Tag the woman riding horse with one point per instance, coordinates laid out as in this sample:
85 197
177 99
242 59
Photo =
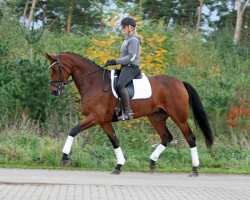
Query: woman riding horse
170 98
129 61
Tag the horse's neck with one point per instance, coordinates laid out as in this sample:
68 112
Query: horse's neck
83 68
87 76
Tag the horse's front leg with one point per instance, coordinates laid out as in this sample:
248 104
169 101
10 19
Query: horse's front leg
109 130
87 123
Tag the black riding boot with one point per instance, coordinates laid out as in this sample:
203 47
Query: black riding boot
126 104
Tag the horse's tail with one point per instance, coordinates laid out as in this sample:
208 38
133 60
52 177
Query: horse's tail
200 115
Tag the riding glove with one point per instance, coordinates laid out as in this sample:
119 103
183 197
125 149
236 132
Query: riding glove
110 62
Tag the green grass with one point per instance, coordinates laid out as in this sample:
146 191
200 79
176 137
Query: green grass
93 151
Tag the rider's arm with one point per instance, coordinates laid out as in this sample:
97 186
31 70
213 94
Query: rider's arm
132 52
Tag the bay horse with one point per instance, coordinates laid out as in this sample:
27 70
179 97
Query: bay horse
170 98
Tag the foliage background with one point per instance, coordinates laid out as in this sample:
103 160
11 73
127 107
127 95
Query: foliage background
34 124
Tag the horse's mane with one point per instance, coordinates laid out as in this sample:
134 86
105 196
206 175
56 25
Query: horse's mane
81 57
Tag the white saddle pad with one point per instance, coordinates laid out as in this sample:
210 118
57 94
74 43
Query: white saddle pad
142 87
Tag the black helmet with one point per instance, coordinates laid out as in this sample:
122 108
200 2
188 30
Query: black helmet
128 21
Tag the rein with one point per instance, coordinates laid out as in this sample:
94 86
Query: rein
82 76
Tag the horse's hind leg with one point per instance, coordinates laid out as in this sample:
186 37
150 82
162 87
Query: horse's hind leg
158 121
190 138
109 130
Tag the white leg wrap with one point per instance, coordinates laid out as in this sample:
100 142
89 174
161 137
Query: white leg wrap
119 156
68 144
157 152
195 158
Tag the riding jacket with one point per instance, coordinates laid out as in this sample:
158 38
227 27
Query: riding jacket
130 51
130 60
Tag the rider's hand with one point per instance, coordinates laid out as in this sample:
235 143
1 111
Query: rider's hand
110 62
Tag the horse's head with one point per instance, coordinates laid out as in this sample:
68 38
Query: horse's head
59 74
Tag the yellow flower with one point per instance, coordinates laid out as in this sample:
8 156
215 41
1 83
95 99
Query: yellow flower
112 22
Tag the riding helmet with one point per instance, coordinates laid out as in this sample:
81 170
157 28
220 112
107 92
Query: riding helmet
127 21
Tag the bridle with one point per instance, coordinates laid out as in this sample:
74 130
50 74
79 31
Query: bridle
59 84
61 69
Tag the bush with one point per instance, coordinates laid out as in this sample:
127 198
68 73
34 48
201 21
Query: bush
215 68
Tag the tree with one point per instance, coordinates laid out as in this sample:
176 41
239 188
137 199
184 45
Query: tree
60 15
180 12
25 11
154 9
239 21
99 11
32 12
44 15
199 17
248 33
69 18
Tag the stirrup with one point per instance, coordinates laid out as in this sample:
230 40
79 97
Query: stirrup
125 116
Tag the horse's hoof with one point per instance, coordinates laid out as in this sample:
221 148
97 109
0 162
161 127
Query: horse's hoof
65 163
194 172
153 168
116 171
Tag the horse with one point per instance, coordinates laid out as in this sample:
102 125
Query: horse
170 98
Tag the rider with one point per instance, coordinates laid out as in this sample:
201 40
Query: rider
129 61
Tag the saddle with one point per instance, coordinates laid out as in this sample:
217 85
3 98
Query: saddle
129 87
138 88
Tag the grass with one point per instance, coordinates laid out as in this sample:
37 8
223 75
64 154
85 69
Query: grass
26 147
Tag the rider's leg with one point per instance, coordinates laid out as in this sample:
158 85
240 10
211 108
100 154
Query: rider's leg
126 104
126 75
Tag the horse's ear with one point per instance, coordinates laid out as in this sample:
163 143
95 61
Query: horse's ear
49 57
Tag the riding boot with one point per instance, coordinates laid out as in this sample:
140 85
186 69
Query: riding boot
127 115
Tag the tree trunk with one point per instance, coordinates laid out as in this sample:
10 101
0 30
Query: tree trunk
49 27
69 18
32 12
239 21
199 17
101 21
101 26
238 26
44 15
248 34
152 10
238 29
25 11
